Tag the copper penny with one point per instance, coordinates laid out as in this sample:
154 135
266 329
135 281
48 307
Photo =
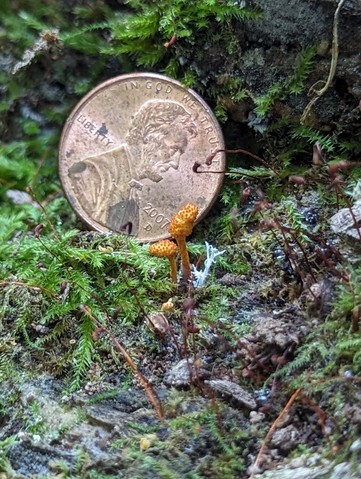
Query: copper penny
127 152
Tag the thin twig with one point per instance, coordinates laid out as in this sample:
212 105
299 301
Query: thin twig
272 430
210 158
150 392
29 286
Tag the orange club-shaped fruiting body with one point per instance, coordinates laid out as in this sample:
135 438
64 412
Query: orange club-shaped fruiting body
180 227
166 249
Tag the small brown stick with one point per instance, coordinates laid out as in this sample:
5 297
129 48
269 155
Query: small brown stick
152 395
29 286
210 157
251 354
272 430
170 42
150 392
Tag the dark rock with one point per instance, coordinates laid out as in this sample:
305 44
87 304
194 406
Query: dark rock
29 459
343 222
230 279
105 416
232 391
108 417
184 373
286 438
272 331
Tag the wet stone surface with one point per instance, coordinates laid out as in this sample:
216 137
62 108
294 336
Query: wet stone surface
29 459
232 391
184 373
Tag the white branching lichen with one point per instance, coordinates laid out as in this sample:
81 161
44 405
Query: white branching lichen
201 276
356 192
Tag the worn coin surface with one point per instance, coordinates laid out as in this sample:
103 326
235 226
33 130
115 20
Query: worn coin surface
127 151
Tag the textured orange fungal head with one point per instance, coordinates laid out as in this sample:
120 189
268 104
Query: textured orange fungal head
189 212
164 249
182 222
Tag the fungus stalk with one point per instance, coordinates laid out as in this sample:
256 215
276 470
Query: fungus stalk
186 264
180 227
173 270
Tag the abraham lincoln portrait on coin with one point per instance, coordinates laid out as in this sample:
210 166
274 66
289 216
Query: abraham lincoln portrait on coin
109 185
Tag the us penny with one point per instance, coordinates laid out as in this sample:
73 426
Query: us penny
127 151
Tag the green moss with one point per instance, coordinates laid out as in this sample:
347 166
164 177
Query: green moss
103 279
294 85
213 431
332 350
5 445
143 32
312 136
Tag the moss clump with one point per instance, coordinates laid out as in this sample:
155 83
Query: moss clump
46 281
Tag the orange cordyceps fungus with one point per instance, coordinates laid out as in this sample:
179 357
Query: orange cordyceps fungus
166 249
180 227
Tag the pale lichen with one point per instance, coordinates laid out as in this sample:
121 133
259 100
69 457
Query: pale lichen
201 276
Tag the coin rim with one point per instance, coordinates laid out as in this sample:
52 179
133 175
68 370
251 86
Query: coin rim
121 78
